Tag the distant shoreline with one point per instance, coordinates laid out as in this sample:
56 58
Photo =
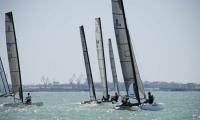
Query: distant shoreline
78 87
173 90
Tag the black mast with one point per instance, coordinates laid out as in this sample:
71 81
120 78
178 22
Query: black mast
86 51
99 19
9 14
131 52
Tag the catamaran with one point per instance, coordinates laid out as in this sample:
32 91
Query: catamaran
113 68
101 59
4 87
92 94
13 60
133 84
114 73
115 98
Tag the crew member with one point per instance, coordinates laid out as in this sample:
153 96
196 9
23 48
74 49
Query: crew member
28 98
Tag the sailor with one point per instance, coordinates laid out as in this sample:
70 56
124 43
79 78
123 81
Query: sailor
108 97
28 99
125 101
150 99
115 98
104 99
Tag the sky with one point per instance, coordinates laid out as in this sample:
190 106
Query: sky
165 35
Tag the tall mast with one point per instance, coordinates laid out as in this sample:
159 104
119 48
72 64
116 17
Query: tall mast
87 64
124 48
113 68
13 56
101 56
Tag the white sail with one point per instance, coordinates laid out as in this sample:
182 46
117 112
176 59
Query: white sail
13 57
125 49
87 64
113 68
4 88
139 80
101 57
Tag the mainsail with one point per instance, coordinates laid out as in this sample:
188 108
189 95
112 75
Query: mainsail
87 64
13 57
101 57
113 68
125 50
4 87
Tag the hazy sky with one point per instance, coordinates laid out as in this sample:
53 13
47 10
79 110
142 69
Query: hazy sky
165 36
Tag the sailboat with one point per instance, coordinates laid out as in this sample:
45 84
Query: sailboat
92 94
132 80
101 59
4 87
113 68
14 65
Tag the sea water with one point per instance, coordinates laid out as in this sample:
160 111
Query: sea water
66 106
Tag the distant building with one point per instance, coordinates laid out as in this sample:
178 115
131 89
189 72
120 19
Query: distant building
56 83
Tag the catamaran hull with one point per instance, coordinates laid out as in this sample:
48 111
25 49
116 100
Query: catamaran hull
152 107
6 95
23 104
131 108
119 106
91 102
106 101
145 106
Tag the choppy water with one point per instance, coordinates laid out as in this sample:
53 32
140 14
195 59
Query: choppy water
66 106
